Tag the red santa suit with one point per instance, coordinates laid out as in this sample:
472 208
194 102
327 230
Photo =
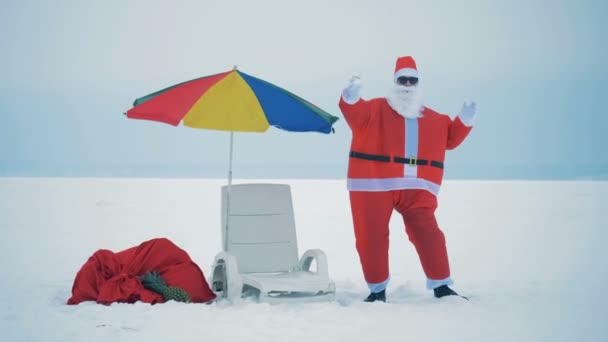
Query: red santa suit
397 163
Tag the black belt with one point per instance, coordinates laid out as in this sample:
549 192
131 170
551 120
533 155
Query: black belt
401 160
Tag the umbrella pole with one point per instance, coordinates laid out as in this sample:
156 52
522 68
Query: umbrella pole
228 192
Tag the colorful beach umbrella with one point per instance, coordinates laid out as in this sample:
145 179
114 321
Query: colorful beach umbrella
232 101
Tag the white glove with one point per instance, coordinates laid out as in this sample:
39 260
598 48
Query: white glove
468 113
352 92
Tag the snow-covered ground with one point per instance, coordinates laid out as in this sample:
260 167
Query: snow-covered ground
531 256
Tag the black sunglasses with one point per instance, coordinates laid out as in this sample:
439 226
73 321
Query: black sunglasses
404 80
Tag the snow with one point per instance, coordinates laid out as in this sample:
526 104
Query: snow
529 254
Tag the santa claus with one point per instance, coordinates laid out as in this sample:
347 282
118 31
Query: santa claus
396 163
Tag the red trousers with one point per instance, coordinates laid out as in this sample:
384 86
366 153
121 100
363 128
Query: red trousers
371 213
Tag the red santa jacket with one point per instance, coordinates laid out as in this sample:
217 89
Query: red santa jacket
390 152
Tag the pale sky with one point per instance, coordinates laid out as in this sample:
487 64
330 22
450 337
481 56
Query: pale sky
69 69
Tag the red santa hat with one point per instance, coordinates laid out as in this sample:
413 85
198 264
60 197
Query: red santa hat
405 66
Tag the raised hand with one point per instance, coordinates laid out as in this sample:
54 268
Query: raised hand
352 92
468 113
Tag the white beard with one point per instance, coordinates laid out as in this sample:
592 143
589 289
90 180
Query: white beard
405 101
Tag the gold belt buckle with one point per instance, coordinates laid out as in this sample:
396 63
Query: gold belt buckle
413 161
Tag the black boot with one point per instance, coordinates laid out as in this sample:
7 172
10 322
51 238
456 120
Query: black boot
380 296
444 290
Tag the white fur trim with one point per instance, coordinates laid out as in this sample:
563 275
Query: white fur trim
433 284
411 146
388 184
379 287
407 72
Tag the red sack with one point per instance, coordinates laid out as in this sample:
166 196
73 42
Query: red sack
109 277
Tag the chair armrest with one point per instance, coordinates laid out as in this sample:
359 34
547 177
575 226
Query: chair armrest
225 271
314 255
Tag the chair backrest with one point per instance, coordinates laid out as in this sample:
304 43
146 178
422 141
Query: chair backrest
261 227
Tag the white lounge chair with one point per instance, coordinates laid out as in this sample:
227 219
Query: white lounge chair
260 250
